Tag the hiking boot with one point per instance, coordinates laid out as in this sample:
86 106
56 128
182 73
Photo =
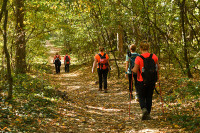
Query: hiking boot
144 114
105 91
100 89
148 117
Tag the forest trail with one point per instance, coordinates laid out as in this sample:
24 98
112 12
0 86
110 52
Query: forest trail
89 110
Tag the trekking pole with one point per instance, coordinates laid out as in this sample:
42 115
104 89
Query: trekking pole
130 96
161 97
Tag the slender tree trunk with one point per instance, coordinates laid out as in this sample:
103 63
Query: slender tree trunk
10 80
120 41
185 48
3 9
113 52
20 40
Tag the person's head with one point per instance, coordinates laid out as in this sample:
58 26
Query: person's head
144 45
56 53
101 48
133 47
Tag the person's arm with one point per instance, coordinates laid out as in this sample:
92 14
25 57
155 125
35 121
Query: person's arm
94 64
59 57
126 69
136 68
127 64
54 59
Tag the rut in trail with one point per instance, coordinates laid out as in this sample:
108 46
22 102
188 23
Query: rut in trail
89 110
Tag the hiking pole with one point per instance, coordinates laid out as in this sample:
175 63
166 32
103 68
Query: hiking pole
161 97
130 96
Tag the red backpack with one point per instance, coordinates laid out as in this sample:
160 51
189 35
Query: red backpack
103 63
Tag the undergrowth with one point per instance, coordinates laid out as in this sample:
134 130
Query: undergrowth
184 101
33 99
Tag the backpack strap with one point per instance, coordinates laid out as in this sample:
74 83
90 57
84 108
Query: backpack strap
150 55
100 55
142 57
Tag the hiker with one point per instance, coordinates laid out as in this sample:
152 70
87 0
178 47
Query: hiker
67 62
146 66
130 61
102 61
57 62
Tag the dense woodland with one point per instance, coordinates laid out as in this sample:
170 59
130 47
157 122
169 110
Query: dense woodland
79 27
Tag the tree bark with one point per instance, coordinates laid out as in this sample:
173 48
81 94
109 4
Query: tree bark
20 40
3 9
10 80
183 14
120 41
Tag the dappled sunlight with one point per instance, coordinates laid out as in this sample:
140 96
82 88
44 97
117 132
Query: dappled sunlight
104 109
149 131
72 88
119 93
70 75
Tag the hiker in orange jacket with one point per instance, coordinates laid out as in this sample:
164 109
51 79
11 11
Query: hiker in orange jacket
67 62
57 62
102 62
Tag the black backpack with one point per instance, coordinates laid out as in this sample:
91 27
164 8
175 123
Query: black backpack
57 61
132 60
67 59
149 72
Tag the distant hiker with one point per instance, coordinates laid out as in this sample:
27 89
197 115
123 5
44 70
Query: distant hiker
146 67
67 62
102 62
130 61
57 62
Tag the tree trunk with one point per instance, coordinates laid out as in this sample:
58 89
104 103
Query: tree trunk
120 41
10 80
185 47
20 40
3 9
113 52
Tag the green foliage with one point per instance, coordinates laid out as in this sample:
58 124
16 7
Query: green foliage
190 90
187 90
190 123
33 99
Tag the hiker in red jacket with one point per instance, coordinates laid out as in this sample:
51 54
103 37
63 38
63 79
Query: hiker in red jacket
146 66
67 62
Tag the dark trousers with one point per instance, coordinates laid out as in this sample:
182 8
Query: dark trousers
66 67
102 73
57 66
131 82
145 93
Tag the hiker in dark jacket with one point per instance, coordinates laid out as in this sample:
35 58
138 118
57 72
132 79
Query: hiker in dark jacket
57 62
145 84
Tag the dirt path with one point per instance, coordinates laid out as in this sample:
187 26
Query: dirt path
89 110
